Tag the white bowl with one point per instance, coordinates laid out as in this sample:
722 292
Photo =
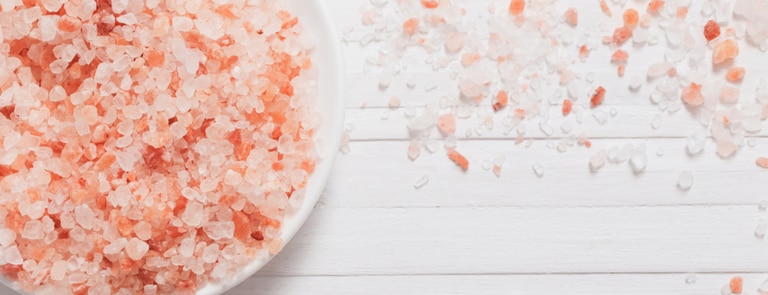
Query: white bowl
327 57
330 104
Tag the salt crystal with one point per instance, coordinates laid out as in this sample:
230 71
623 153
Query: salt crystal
624 153
193 214
690 278
84 216
660 152
7 237
761 229
430 85
115 247
33 230
658 69
598 160
614 112
635 82
218 230
421 182
696 142
414 150
143 230
286 145
763 206
136 249
187 247
656 121
538 169
638 161
58 270
13 256
685 180
211 253
763 289
726 149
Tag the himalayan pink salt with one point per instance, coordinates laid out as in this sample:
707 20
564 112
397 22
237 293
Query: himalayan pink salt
729 94
762 162
692 95
735 74
136 249
725 50
516 7
571 17
447 124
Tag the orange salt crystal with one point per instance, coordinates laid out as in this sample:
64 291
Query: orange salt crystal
604 7
692 95
736 284
571 17
567 107
598 97
410 26
645 20
631 18
430 4
682 12
502 99
516 7
467 59
655 5
726 50
762 162
155 58
588 144
447 124
711 30
672 72
620 70
620 56
620 35
735 74
69 24
520 113
459 159
583 52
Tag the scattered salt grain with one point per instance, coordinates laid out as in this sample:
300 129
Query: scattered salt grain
598 160
685 180
690 278
421 182
538 169
136 249
761 229
638 161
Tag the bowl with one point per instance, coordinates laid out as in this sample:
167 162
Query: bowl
327 57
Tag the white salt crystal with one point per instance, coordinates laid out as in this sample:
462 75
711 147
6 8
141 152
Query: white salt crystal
726 149
33 230
660 152
414 150
143 230
696 143
538 169
150 289
232 178
597 160
136 249
685 180
658 69
58 270
614 112
385 79
430 85
638 161
7 237
656 121
193 214
761 228
219 230
763 206
635 82
690 278
84 216
600 116
624 153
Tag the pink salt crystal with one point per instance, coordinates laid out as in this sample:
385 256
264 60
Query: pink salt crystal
136 249
447 124
725 50
7 237
211 253
84 216
218 230
143 230
692 95
571 17
187 247
33 230
726 149
414 150
58 270
394 102
12 256
193 214
115 247
729 94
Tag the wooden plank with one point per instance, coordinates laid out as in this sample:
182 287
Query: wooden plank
357 241
379 174
598 284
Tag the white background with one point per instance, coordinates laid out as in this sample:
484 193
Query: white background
570 232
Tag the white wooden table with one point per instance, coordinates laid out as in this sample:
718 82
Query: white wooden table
570 232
